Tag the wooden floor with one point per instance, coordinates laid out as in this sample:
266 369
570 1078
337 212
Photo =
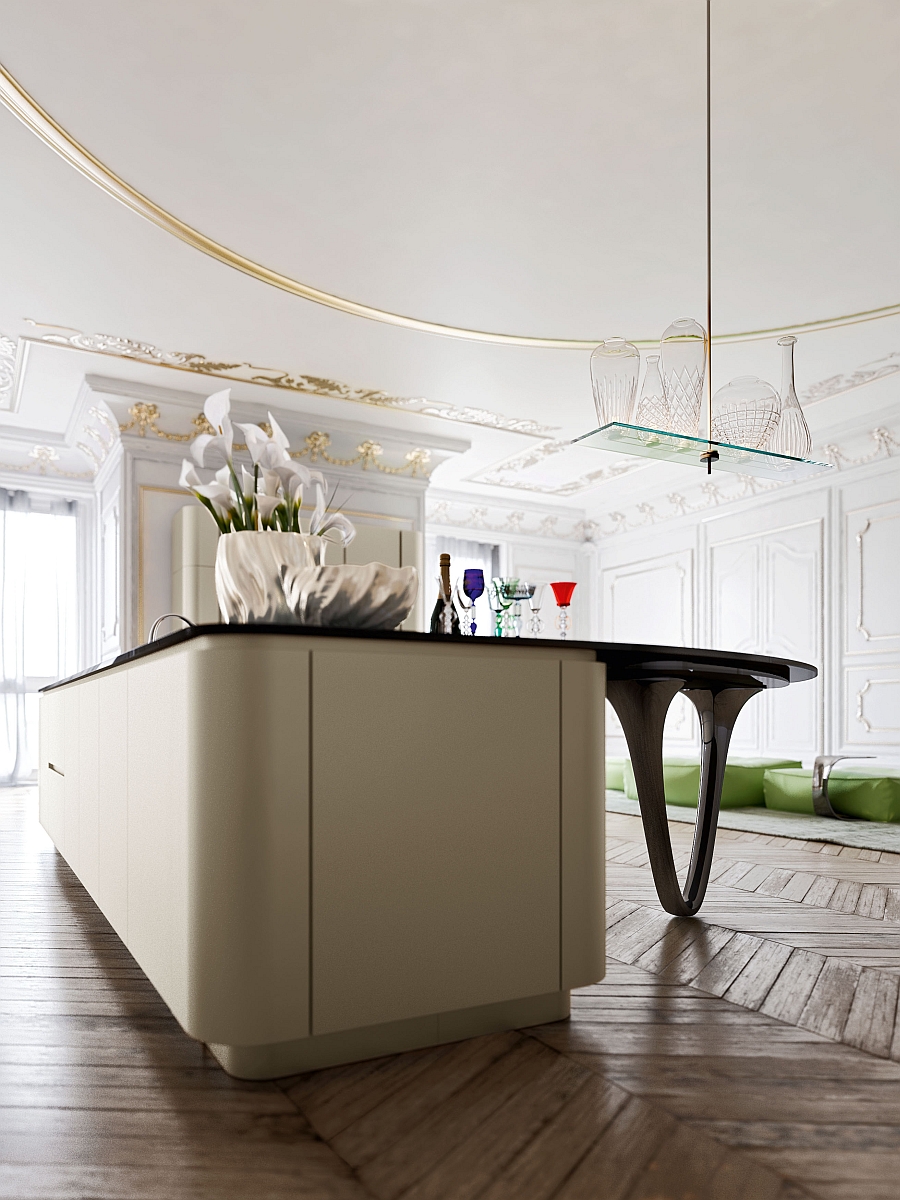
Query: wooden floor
747 1055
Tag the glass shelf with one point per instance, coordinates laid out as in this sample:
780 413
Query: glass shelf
677 447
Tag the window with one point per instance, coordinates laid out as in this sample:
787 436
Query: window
38 619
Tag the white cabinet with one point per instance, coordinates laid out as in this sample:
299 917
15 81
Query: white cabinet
325 848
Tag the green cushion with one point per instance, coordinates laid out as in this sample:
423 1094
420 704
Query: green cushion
854 792
615 774
742 787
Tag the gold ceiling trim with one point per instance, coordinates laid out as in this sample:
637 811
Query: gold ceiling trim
242 372
30 113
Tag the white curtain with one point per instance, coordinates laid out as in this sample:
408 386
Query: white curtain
38 620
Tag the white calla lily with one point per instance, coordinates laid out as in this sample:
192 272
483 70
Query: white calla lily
335 527
266 505
189 478
217 408
270 496
278 435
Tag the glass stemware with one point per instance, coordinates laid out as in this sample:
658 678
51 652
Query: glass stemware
563 593
535 600
515 591
468 591
499 607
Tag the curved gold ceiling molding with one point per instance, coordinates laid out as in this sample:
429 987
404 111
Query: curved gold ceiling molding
30 113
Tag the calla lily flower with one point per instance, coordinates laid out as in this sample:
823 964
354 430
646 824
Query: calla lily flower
278 435
217 408
210 449
221 497
264 450
269 497
266 505
189 478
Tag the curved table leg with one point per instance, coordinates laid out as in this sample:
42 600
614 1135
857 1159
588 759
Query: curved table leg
641 706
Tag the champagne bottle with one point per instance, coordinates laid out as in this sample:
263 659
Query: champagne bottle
445 618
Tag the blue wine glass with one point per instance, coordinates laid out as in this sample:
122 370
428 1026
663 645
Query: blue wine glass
473 587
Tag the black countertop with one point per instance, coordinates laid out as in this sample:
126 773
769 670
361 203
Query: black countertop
623 660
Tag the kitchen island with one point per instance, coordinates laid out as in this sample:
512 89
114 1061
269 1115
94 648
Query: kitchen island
326 845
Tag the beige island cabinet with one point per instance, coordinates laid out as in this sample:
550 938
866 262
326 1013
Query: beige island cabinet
324 847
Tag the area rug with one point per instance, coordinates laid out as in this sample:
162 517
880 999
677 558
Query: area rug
866 835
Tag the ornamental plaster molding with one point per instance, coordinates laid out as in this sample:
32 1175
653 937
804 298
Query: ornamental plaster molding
314 385
504 474
494 519
836 385
7 369
97 432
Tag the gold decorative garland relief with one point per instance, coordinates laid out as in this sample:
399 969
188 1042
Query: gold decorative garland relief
145 416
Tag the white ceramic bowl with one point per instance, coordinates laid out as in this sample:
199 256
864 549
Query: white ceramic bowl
272 578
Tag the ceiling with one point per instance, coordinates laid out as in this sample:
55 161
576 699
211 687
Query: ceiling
528 167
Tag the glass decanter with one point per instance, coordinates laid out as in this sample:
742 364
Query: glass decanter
563 594
615 365
745 412
792 435
652 408
683 353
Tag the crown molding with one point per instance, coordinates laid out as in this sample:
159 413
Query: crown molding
113 346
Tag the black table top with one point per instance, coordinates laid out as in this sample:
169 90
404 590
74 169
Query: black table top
623 660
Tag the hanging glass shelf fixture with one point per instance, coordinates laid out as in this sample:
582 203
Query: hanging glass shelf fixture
678 447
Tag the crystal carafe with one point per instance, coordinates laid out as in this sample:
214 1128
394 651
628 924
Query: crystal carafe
792 436
683 353
652 409
745 412
615 365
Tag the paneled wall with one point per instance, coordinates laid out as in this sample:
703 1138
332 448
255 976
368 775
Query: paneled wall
810 572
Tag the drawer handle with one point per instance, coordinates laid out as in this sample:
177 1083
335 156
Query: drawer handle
56 769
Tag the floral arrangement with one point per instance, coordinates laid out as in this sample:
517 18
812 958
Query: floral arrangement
269 497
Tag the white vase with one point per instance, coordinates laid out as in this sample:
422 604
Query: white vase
251 568
278 578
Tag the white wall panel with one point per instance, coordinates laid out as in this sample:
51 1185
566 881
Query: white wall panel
872 551
651 599
872 706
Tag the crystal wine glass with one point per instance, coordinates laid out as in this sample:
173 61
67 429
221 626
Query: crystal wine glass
516 590
535 600
471 587
499 605
563 593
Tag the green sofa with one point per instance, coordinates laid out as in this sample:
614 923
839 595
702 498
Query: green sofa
855 792
742 788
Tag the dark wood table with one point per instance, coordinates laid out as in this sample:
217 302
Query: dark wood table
642 681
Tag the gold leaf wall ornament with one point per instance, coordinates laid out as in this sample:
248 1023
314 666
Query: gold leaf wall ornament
145 417
368 453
